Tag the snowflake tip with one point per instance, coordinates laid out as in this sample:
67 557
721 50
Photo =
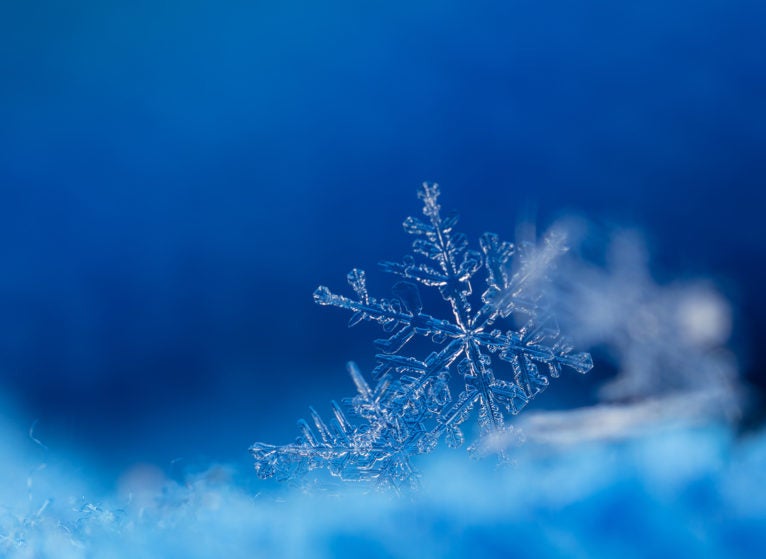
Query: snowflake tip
322 295
580 362
429 193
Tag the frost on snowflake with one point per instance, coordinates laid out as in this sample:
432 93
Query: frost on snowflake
414 402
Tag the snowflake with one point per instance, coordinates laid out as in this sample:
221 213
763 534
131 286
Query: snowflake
412 405
647 328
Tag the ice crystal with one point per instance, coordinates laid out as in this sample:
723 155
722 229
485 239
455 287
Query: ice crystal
648 329
412 405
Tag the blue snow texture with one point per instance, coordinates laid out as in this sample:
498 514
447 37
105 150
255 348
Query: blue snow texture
411 407
677 492
177 177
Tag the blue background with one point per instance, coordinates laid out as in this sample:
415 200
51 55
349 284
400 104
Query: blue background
177 177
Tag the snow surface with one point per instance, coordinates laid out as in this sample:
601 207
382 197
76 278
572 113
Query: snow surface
681 491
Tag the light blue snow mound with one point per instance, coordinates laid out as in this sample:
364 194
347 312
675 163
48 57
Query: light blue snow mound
685 492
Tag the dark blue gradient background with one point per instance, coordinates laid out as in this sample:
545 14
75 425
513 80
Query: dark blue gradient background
177 177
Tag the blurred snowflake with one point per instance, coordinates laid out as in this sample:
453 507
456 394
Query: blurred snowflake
663 338
668 341
412 405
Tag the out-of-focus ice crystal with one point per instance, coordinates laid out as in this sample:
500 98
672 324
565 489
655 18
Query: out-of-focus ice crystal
667 343
663 338
414 401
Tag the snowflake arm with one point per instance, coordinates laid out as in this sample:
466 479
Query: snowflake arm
371 450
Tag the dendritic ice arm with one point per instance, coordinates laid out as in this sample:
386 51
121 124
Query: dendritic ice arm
414 404
377 448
